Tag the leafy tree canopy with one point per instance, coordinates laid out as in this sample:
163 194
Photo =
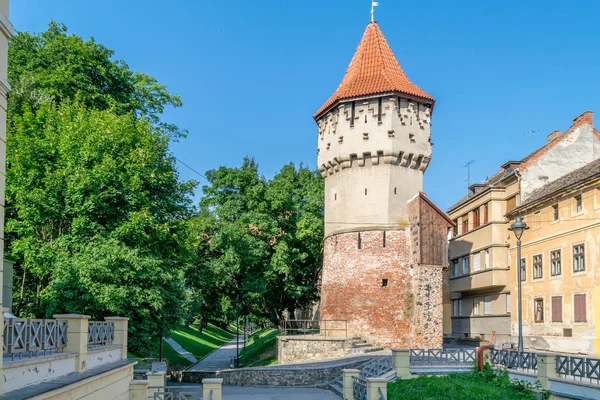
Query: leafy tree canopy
54 66
96 216
261 239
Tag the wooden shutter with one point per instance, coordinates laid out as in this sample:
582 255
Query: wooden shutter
579 308
557 309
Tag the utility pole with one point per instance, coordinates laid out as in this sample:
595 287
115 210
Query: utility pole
468 167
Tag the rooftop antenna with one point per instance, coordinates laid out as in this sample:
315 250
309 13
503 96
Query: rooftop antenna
468 167
532 133
373 5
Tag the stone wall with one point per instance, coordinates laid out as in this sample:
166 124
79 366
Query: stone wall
317 374
297 349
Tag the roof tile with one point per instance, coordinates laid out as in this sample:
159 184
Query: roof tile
373 70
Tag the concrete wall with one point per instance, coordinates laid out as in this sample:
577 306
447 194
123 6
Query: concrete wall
18 374
112 385
98 357
387 158
297 349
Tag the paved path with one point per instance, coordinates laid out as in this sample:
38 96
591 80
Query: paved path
218 359
183 352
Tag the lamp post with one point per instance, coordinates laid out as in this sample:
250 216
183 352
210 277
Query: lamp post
237 331
518 227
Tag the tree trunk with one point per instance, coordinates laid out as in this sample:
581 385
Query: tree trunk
190 317
200 324
18 311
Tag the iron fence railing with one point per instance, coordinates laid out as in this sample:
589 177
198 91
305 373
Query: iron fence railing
30 337
526 361
442 357
177 393
376 368
578 368
381 395
325 327
101 333
359 388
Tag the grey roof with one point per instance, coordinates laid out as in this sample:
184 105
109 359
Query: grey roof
492 180
578 176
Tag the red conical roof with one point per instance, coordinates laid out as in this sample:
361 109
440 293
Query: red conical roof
373 70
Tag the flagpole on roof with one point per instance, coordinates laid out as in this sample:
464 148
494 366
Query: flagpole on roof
373 5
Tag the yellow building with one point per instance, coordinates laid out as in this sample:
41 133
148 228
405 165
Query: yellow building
560 265
479 298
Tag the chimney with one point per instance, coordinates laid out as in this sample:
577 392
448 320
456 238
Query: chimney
554 135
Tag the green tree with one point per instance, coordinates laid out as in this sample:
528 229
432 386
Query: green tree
99 218
96 216
263 238
54 66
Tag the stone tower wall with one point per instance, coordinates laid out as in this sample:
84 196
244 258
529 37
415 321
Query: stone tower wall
381 145
405 311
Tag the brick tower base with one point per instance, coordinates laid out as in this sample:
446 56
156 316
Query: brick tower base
387 284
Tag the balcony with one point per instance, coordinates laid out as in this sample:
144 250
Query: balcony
484 279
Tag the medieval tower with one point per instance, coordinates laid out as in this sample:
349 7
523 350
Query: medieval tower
385 243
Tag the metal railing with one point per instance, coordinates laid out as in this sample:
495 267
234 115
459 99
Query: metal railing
325 327
176 393
30 337
376 368
578 368
381 395
525 361
101 333
442 357
359 388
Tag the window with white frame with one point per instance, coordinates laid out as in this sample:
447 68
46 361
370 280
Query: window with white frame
578 258
508 303
476 262
578 204
555 263
477 306
537 266
455 270
460 307
523 270
455 308
487 300
487 258
465 265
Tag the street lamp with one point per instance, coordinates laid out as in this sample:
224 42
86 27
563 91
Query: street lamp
518 227
237 333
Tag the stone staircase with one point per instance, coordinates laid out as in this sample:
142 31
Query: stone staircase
360 346
374 367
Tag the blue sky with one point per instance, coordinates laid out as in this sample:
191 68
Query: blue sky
252 73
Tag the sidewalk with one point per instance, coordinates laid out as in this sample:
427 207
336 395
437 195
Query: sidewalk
218 359
182 352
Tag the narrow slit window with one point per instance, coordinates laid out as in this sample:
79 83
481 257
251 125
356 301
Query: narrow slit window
395 191
365 191
384 282
359 241
379 111
352 113
384 238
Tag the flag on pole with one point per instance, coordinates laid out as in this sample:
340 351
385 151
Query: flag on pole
375 3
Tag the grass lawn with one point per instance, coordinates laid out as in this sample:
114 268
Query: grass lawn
474 386
199 345
174 360
261 349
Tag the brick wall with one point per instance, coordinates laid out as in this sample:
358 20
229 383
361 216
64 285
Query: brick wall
374 280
